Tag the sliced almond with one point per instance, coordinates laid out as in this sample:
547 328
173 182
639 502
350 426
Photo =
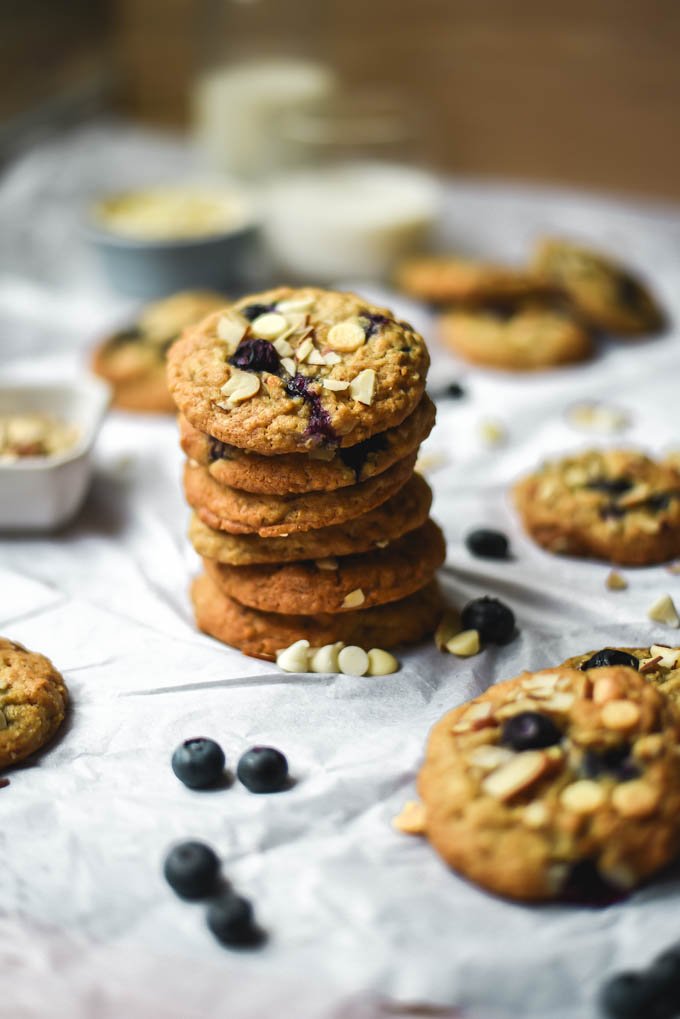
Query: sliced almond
648 747
335 385
354 599
560 702
606 689
489 757
615 581
664 611
305 349
517 775
535 814
269 326
383 543
283 347
636 799
293 304
315 357
543 681
346 336
362 387
289 364
464 644
332 358
649 665
232 327
620 715
477 716
583 797
669 657
240 386
411 820
448 628
326 564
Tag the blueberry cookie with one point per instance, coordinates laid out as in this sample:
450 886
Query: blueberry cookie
33 700
520 336
607 294
320 470
402 513
336 585
659 664
289 371
230 509
616 505
448 279
262 634
559 784
133 361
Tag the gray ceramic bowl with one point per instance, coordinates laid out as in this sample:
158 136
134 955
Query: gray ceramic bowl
153 268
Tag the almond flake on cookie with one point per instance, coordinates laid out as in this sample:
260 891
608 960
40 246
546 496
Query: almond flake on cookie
362 387
239 386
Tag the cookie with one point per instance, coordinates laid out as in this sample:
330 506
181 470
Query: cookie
230 509
336 585
617 505
450 279
289 371
320 470
262 634
558 784
133 360
522 336
33 700
403 512
608 295
658 664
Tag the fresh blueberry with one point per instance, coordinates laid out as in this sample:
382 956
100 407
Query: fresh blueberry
455 391
627 996
263 770
253 311
199 763
530 730
488 544
612 486
256 356
191 869
610 656
494 621
664 977
230 918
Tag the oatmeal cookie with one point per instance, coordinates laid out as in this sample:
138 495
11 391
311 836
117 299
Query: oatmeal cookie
289 371
608 295
33 701
617 505
262 634
133 360
230 509
558 784
451 279
659 664
320 470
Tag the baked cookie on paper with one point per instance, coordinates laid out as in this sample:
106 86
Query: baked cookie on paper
659 664
452 279
33 700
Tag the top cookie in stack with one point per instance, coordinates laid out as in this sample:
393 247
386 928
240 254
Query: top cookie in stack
301 413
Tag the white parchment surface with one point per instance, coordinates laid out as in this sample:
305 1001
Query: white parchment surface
360 917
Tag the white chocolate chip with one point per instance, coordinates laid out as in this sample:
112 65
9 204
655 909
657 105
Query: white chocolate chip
616 581
543 681
294 658
620 715
635 799
283 347
583 797
362 387
346 336
240 386
269 326
664 611
293 304
231 328
335 385
381 663
464 644
327 564
606 689
289 364
305 348
489 757
325 659
517 775
411 818
354 599
448 628
353 661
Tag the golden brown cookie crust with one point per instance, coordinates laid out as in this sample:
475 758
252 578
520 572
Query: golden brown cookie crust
448 279
532 338
660 665
317 471
567 508
605 292
33 700
230 509
518 823
271 421
403 512
336 585
262 634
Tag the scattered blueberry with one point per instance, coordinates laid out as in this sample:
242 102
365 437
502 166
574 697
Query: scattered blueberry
256 356
488 544
263 770
319 427
455 391
253 311
230 918
530 730
612 486
664 976
191 869
199 763
627 996
610 656
494 621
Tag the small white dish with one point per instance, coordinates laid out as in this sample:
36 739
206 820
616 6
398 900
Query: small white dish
42 493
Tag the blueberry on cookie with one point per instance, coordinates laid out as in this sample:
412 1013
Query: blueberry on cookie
658 664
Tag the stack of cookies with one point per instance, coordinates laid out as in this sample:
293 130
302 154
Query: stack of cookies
301 414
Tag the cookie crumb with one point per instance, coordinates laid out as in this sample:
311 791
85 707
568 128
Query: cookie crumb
664 611
492 432
598 417
616 581
411 818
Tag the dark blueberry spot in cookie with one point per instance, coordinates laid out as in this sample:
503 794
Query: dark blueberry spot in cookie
614 761
405 350
494 621
585 886
256 356
612 486
629 292
658 503
319 427
630 996
355 457
530 730
500 311
191 869
217 450
374 322
612 512
455 391
488 544
406 326
253 311
611 656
